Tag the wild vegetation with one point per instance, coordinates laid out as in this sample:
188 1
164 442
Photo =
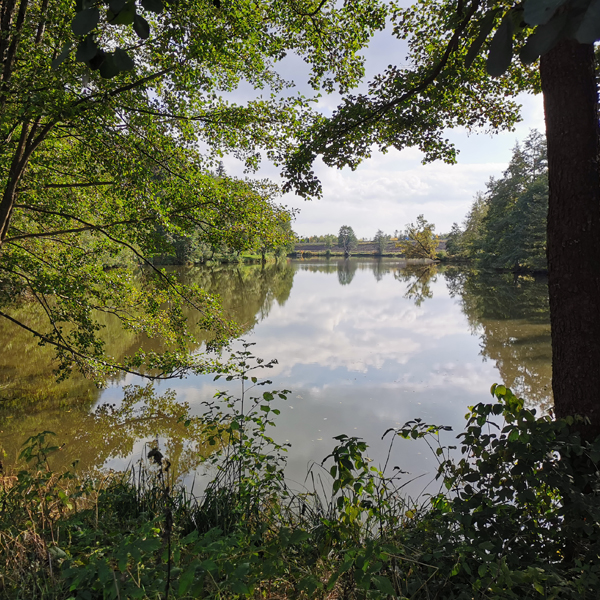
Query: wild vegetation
515 517
112 117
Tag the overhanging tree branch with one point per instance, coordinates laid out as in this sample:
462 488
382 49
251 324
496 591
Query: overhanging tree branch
451 47
86 358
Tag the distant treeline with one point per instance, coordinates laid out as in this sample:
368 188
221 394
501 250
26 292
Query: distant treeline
506 226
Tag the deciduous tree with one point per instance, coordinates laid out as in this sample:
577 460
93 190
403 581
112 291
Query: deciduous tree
346 239
420 240
447 85
104 108
381 241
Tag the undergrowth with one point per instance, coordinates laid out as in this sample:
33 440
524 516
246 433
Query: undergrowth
519 516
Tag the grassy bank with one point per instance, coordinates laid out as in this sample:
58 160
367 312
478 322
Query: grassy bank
518 517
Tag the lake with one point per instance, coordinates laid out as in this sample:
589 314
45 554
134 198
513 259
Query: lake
363 345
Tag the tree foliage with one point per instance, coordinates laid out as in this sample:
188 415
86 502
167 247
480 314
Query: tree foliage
347 239
506 226
111 119
420 240
453 50
381 241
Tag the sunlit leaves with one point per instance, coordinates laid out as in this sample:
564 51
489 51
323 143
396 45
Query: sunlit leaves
420 240
113 160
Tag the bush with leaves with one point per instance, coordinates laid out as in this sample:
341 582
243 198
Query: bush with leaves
518 516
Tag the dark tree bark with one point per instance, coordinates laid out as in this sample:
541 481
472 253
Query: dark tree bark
570 105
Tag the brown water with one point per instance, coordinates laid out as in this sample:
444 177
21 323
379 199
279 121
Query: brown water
364 345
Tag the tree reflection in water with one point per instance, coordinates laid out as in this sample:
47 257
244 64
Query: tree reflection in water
32 401
509 313
346 269
112 432
419 279
511 316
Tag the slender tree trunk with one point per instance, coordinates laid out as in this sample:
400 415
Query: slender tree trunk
14 175
570 104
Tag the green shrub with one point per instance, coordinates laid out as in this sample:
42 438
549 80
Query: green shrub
519 517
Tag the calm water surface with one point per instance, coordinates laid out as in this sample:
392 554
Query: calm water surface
364 345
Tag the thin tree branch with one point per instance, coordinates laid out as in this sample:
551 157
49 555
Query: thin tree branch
86 358
452 45
148 263
69 185
91 226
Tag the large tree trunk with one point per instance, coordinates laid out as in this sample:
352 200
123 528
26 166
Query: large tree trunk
570 104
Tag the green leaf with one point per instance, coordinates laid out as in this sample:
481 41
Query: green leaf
589 30
108 68
186 579
124 17
60 59
539 588
123 61
538 12
543 39
141 27
85 20
299 536
155 6
332 580
487 23
57 552
500 54
86 49
384 585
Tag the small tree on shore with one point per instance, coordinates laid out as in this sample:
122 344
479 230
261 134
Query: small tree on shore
420 240
347 239
381 240
330 240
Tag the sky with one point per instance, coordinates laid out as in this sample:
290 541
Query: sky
388 191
